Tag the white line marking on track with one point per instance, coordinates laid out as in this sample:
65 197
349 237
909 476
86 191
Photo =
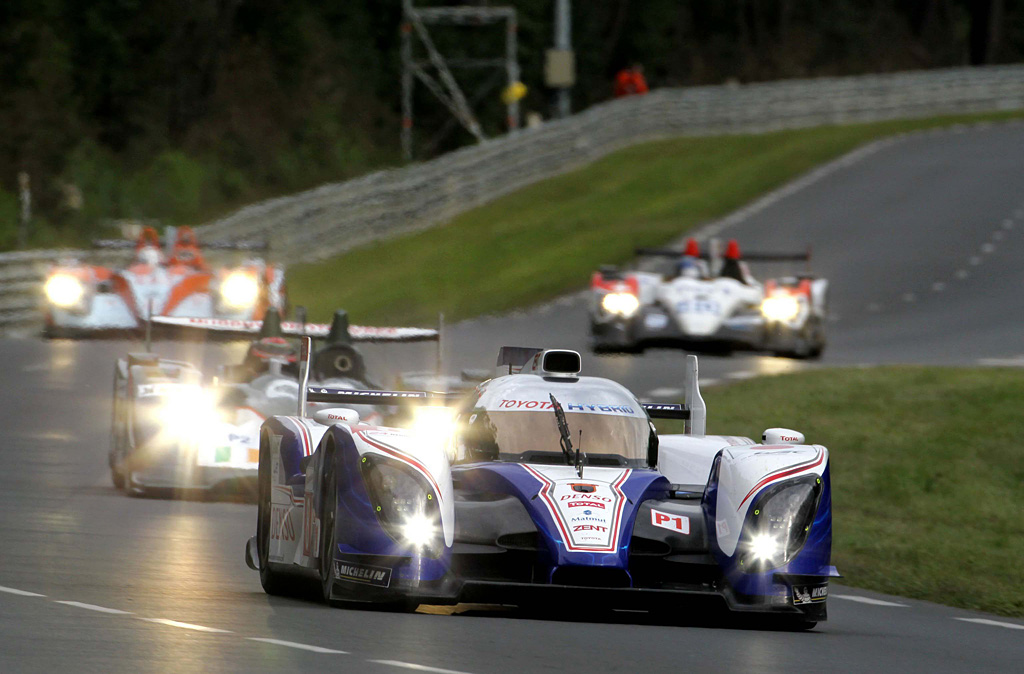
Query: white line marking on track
909 297
962 274
938 286
869 600
708 382
292 644
186 626
974 260
998 235
93 607
742 374
994 623
1007 224
418 668
1002 362
23 593
988 248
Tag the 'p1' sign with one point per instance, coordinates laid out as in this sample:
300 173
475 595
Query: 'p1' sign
679 523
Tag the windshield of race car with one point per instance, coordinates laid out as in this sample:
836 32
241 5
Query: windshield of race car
610 437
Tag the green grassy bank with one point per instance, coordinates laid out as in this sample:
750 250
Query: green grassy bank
927 473
546 239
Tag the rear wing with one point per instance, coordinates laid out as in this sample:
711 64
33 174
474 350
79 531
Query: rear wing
358 333
341 396
245 246
804 256
692 410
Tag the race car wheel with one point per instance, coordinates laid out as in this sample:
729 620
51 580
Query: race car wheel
328 519
272 582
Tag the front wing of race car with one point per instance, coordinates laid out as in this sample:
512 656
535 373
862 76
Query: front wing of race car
334 505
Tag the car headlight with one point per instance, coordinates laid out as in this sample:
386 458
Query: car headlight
239 290
186 413
778 524
623 304
64 290
780 307
434 426
406 507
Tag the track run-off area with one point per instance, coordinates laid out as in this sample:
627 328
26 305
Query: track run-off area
922 238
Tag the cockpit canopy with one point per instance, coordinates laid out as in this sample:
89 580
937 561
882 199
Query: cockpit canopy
513 419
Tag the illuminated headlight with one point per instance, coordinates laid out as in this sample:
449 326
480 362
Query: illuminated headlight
764 547
419 531
624 304
405 506
64 290
187 413
778 524
239 290
780 308
434 426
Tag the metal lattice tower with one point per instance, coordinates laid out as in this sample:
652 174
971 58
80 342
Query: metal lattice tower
441 83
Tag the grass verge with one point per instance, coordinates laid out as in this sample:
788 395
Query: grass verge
927 473
547 238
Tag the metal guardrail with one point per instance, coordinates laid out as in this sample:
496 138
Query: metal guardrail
21 280
333 218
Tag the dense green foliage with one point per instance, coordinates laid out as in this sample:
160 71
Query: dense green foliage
180 110
927 473
512 252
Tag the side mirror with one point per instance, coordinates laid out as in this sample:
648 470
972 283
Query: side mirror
781 436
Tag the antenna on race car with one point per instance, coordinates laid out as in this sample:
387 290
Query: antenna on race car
440 353
307 346
149 325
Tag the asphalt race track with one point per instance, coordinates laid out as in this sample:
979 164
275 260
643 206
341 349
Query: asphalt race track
922 239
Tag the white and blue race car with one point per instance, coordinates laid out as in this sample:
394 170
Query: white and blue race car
542 485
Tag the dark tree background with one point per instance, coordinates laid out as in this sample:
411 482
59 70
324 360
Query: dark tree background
178 110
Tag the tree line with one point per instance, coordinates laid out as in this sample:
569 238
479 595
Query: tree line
179 110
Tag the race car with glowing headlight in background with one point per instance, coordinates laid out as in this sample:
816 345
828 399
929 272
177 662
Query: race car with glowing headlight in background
543 486
174 429
709 303
83 299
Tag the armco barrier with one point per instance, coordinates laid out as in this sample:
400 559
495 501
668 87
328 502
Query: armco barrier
334 218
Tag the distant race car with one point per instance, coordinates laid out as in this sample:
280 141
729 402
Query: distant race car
83 299
175 429
542 485
700 308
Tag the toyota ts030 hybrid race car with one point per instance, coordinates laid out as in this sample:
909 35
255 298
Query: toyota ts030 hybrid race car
542 485
699 308
175 429
83 299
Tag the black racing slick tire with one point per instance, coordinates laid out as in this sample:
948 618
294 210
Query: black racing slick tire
328 520
273 582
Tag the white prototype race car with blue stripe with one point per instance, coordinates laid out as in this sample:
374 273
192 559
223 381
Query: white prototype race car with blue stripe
175 429
542 485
